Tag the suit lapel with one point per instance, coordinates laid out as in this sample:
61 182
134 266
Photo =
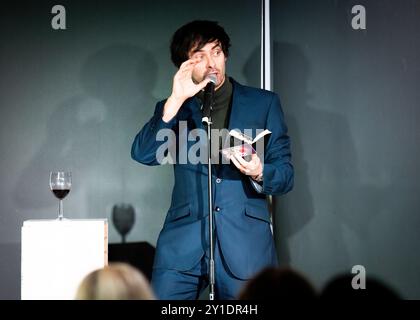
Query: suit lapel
235 119
196 114
192 109
243 110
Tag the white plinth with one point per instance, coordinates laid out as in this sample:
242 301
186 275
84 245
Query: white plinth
57 255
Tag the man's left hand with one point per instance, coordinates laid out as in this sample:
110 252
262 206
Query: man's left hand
251 168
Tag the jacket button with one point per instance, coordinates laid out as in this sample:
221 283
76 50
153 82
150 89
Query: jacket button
218 180
217 209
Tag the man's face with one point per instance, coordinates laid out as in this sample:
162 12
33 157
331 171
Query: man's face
212 61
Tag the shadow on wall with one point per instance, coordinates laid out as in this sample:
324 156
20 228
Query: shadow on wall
328 185
285 223
293 212
91 133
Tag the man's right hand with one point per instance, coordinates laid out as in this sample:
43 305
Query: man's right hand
183 88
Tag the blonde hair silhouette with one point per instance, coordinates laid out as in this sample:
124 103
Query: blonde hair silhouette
117 281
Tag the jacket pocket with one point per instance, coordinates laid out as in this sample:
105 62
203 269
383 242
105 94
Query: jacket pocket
178 212
258 211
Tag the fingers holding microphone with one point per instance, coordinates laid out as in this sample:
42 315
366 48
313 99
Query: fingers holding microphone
183 87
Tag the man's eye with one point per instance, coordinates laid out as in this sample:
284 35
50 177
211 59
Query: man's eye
200 57
217 53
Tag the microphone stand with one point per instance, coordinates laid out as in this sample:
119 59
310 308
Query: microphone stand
207 120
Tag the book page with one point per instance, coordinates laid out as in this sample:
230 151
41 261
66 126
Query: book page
243 137
260 135
239 135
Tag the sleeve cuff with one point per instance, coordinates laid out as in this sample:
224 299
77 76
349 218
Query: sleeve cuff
160 124
256 185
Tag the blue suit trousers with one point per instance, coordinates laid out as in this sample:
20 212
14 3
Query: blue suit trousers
170 284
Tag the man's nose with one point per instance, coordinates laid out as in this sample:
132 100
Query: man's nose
210 62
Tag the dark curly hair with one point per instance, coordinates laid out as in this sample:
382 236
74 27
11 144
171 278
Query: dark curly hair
195 35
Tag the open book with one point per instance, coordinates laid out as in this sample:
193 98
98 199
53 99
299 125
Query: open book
243 144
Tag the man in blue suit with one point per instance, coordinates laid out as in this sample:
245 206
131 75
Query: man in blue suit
243 239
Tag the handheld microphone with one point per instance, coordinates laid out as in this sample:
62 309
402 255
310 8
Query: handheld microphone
208 98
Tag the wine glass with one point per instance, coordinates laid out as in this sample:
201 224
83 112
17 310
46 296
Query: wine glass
123 217
60 185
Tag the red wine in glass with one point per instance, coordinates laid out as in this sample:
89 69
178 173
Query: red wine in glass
61 193
60 185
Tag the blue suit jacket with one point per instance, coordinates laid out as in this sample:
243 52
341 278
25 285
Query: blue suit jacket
242 224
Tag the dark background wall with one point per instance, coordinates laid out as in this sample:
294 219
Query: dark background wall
351 100
74 99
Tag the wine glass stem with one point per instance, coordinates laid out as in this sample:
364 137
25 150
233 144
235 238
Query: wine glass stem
60 210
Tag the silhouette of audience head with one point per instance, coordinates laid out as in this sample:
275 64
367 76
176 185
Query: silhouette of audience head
117 281
341 287
275 284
